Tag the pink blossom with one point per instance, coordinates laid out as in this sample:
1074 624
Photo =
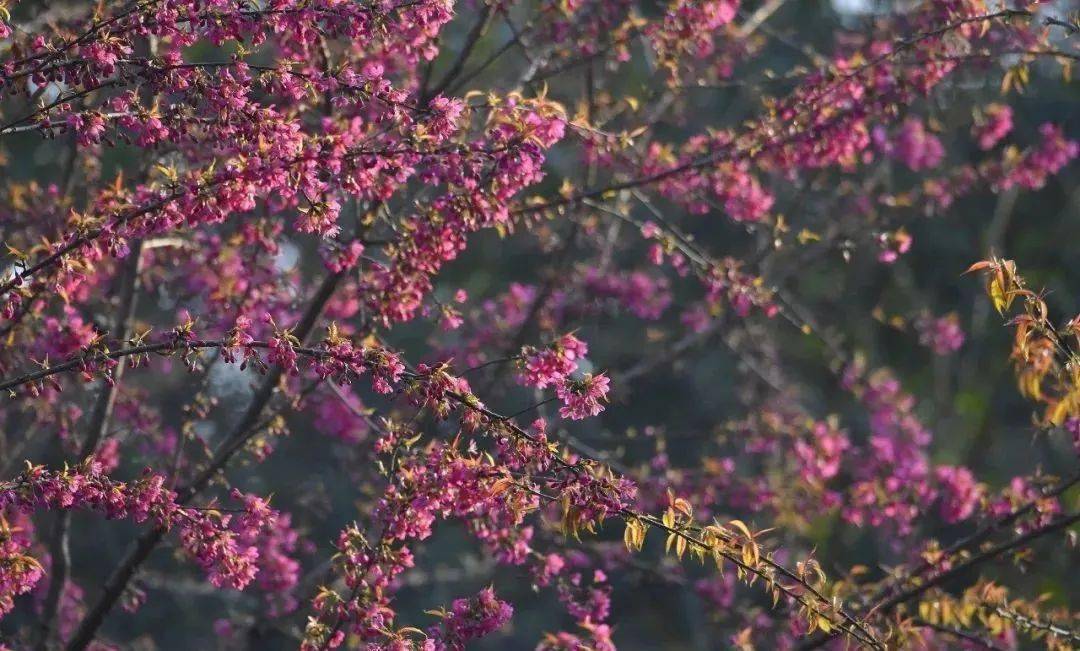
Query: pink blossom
996 123
581 398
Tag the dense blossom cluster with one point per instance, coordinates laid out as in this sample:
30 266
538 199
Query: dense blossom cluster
21 571
913 146
414 226
469 619
552 366
581 396
226 545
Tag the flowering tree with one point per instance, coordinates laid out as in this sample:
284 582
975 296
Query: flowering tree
320 294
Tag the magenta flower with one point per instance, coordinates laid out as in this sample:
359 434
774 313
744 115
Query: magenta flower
582 398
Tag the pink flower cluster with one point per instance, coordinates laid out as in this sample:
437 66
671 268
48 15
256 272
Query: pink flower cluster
553 365
341 416
1053 153
19 571
480 184
960 493
912 145
434 484
821 456
223 544
943 335
894 482
996 122
467 620
731 184
689 30
1028 169
369 571
583 398
644 295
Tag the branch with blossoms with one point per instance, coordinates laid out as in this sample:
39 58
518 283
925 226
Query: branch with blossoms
271 248
339 360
